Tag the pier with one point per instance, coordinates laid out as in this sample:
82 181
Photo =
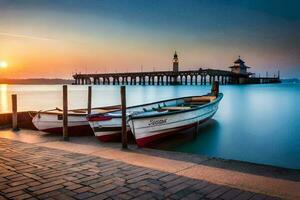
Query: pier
237 75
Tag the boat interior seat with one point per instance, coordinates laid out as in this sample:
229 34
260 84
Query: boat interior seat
200 99
173 108
79 111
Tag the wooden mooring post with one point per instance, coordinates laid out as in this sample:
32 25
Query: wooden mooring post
124 126
65 113
215 88
14 113
89 108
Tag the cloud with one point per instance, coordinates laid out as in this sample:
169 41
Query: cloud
27 36
40 38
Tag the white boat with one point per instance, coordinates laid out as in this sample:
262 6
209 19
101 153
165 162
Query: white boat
171 117
149 122
52 120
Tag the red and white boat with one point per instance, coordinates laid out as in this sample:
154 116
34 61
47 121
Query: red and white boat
107 127
149 122
52 120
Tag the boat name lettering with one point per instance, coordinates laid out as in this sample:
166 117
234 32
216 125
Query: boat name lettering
154 122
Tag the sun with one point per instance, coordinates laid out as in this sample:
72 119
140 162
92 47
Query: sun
3 64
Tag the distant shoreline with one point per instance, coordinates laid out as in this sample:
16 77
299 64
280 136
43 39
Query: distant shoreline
36 81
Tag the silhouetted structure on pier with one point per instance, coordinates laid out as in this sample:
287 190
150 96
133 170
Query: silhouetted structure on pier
237 75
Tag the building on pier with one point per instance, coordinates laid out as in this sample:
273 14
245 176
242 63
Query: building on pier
239 67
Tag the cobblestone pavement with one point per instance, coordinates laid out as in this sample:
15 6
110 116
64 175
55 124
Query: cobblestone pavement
28 171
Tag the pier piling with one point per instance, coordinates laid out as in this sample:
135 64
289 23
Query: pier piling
89 108
124 127
65 113
215 88
14 113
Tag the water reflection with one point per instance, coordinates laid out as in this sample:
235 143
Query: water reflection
208 139
4 98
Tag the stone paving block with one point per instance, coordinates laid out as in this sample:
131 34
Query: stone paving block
82 189
123 189
13 189
138 178
135 192
258 197
33 176
218 192
185 192
175 182
49 194
104 188
3 186
48 189
63 197
67 192
231 194
145 196
244 196
46 185
32 198
15 193
85 195
123 197
193 196
100 184
22 196
272 198
98 197
24 181
73 186
169 177
209 188
177 188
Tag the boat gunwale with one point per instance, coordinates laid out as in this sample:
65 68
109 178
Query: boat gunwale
57 112
218 99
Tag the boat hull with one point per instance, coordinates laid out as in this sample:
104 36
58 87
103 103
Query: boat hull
150 128
107 131
144 141
53 123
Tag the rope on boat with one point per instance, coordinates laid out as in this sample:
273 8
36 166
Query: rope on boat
30 115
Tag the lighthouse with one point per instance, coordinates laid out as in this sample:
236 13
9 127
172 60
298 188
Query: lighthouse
175 62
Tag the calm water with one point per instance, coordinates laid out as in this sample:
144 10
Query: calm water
255 123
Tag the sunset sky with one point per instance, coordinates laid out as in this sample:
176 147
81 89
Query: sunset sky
55 38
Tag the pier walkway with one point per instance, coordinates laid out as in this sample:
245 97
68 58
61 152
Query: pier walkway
34 165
